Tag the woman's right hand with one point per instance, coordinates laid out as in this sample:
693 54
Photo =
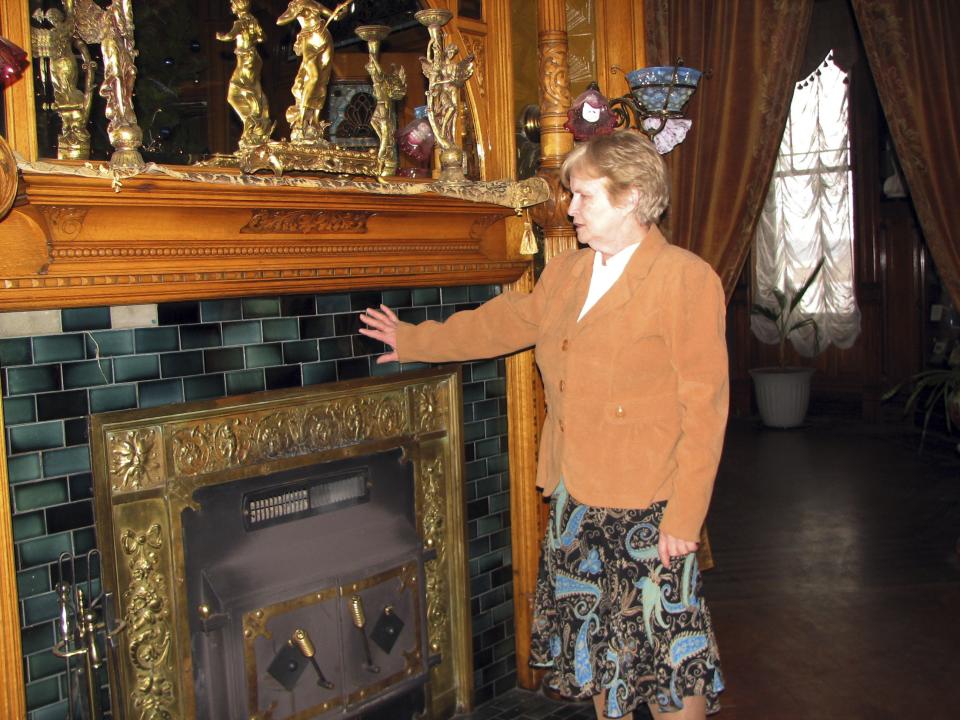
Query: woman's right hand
381 325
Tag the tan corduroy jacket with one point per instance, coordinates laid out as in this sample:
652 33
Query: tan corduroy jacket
636 391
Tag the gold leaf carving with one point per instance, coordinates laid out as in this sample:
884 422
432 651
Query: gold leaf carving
429 407
134 459
433 499
148 624
307 221
67 221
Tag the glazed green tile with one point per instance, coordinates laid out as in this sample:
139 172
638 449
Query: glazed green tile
117 397
39 378
42 693
327 304
482 293
179 364
84 541
43 664
377 370
244 381
57 348
109 343
40 494
28 526
33 581
88 373
18 410
319 372
160 392
300 351
36 638
242 333
159 339
193 337
38 436
136 367
203 387
68 461
219 310
223 359
453 295
281 329
261 307
396 298
15 351
426 296
41 551
88 318
24 468
56 711
264 355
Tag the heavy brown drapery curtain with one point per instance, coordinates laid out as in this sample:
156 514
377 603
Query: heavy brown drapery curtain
914 53
720 174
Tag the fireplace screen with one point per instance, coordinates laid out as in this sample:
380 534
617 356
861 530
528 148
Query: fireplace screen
288 555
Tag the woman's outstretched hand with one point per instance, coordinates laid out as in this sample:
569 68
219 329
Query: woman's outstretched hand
381 325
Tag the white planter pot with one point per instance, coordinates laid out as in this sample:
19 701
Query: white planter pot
783 395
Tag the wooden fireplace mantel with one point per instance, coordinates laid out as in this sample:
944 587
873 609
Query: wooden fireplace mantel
71 241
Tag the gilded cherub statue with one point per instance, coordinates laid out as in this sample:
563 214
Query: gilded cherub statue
56 43
388 87
314 46
246 95
112 28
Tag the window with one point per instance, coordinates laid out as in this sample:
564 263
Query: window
808 215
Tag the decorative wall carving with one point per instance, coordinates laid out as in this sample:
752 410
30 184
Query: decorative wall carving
301 221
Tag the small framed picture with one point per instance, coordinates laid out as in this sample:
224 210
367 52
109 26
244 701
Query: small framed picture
350 105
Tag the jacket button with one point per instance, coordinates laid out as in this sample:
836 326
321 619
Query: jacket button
563 385
565 344
620 412
561 425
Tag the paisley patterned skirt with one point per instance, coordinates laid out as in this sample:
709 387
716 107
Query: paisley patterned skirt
611 618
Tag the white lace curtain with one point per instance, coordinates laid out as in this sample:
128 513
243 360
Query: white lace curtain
808 215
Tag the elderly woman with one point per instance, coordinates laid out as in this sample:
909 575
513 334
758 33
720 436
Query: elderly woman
629 337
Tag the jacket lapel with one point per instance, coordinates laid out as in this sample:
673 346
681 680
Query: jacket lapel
627 284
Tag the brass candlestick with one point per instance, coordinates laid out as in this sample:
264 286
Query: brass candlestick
387 88
446 77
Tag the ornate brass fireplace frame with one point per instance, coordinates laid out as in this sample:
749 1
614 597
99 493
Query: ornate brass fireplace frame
148 463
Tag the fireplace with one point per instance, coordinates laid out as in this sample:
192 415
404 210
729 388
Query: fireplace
294 554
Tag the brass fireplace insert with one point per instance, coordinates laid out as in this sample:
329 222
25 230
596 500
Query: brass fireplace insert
152 468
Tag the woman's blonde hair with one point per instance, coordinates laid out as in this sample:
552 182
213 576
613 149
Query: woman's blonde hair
627 160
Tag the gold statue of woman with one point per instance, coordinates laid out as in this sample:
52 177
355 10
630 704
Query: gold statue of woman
314 45
246 95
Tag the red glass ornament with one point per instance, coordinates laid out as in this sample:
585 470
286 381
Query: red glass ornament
13 61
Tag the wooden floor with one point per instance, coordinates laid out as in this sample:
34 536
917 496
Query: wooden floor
837 586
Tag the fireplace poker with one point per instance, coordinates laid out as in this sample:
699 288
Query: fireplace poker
306 646
81 630
360 623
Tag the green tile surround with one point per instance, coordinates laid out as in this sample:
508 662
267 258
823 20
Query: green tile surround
212 349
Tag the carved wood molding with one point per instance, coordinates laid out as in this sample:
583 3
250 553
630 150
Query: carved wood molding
69 241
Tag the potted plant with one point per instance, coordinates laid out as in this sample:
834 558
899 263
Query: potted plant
783 393
935 387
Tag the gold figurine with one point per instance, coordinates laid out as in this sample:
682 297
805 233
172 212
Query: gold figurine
72 104
446 76
113 29
246 95
388 87
314 46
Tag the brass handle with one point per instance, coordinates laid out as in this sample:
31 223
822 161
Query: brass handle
303 642
356 610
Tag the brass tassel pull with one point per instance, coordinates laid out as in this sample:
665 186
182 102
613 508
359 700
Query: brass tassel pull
308 650
360 622
528 242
